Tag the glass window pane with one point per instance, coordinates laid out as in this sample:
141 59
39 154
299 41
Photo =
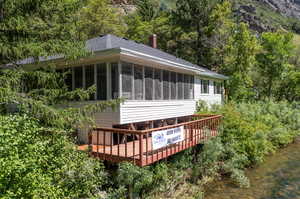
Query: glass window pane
78 75
148 83
138 83
114 81
180 86
166 85
157 84
127 80
186 86
173 85
101 81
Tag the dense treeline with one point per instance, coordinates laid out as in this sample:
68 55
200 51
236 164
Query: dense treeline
38 157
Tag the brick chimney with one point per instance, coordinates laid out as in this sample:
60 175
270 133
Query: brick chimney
153 41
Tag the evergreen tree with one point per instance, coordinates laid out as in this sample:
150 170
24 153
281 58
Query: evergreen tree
193 16
33 28
98 17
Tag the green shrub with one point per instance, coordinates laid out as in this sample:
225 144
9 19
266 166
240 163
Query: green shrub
36 162
137 180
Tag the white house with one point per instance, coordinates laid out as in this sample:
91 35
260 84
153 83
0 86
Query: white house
155 84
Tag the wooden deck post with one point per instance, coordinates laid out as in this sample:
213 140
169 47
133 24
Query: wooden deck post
141 149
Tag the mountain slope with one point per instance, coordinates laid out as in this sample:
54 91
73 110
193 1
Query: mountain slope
266 15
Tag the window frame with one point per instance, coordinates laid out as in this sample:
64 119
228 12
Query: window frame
203 88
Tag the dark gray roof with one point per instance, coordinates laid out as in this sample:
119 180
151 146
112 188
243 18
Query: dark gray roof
109 41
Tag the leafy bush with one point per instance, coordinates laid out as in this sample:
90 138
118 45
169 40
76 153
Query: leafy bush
249 132
36 162
136 179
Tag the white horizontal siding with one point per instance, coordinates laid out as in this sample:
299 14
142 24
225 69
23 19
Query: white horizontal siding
102 119
209 98
138 111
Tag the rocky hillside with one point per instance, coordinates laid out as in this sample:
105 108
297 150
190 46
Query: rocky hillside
264 15
261 15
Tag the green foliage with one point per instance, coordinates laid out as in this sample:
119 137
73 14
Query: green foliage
240 59
38 28
148 9
135 178
38 162
273 60
44 95
202 106
194 18
98 17
250 131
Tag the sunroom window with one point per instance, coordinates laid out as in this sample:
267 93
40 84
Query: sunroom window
173 85
127 80
187 87
138 83
78 75
157 84
166 85
101 81
148 83
90 78
68 78
180 86
114 80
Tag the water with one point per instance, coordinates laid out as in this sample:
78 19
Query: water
277 178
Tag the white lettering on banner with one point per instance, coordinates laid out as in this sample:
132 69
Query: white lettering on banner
166 137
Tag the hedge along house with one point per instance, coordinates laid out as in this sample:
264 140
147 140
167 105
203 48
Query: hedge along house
159 90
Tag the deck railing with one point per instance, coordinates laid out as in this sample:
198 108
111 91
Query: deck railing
116 145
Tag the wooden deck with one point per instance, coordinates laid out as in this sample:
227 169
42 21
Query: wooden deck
140 151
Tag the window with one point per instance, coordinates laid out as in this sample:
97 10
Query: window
78 77
68 78
101 81
157 84
148 83
173 85
217 88
127 80
89 78
187 87
179 86
138 83
166 85
205 86
114 81
191 90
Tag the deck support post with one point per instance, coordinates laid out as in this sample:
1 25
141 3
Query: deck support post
141 149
